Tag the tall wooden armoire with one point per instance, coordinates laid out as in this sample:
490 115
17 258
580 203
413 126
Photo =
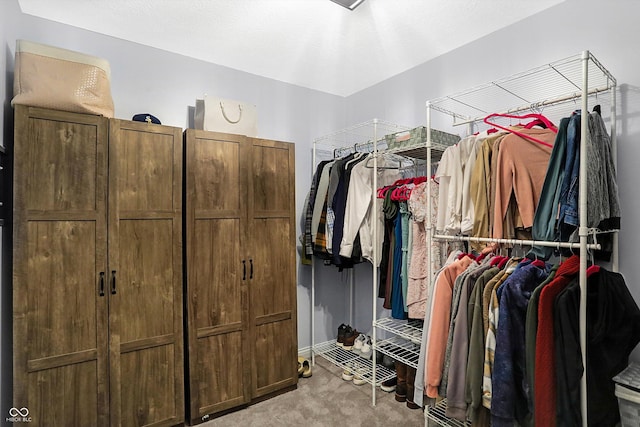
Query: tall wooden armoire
241 277
97 270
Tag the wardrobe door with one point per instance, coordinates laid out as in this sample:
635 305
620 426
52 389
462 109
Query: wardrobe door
59 259
217 272
272 275
145 274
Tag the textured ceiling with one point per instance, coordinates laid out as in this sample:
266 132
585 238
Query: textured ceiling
312 43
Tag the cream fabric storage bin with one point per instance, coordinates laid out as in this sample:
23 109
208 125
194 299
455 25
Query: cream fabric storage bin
60 79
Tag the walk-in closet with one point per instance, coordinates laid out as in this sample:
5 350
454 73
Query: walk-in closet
320 213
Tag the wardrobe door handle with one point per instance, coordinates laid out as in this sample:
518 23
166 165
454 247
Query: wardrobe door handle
101 283
250 269
244 269
113 282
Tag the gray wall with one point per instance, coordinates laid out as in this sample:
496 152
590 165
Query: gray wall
165 84
5 289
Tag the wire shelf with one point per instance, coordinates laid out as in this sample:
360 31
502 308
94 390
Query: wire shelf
360 137
437 413
401 350
420 152
410 330
534 90
346 359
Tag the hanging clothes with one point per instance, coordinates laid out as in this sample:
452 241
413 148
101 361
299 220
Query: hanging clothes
469 148
545 387
390 210
521 169
510 389
531 327
459 337
405 215
459 295
557 217
493 315
343 168
397 302
439 324
421 371
544 222
449 177
309 208
477 339
480 191
417 289
359 213
324 169
613 331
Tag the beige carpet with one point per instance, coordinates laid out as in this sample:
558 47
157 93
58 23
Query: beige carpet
325 400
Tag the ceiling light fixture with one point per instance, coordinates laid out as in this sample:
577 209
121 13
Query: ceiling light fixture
349 4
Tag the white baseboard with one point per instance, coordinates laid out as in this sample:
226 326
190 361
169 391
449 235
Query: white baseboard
305 352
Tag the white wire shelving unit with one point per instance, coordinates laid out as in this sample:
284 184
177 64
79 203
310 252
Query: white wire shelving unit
402 338
554 89
368 137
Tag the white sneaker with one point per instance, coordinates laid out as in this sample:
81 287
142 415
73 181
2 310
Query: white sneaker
365 350
358 379
347 374
358 343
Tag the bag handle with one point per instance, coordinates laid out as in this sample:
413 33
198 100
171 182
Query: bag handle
227 118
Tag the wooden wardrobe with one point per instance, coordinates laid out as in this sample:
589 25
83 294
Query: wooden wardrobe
240 289
97 270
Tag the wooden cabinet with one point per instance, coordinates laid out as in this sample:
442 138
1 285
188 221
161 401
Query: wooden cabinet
240 262
97 276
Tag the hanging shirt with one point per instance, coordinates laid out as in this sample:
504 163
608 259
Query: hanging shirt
468 152
320 198
449 176
544 222
458 290
421 371
459 353
510 388
359 215
545 389
475 360
521 169
492 307
417 289
308 237
480 190
397 302
613 331
439 323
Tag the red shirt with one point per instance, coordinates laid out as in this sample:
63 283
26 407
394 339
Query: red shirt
545 371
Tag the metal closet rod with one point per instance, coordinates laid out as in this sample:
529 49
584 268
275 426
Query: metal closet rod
595 246
369 145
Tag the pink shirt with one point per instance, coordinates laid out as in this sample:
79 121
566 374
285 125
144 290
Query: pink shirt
439 324
521 169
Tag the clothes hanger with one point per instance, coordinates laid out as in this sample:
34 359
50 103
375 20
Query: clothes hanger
382 192
503 262
488 131
536 122
396 193
544 120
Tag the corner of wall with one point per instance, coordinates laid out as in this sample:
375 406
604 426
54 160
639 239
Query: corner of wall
7 13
